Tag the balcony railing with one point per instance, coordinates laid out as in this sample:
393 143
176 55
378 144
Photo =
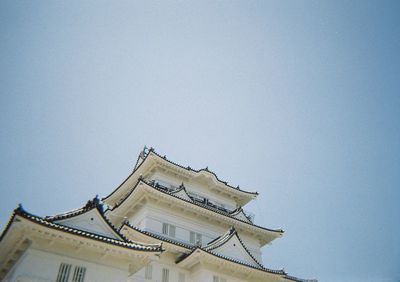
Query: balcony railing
202 200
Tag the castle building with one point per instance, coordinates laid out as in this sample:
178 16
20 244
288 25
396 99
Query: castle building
164 223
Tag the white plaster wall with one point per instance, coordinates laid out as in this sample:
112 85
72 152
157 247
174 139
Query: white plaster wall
253 245
197 274
91 222
233 249
155 216
205 275
167 262
37 265
151 218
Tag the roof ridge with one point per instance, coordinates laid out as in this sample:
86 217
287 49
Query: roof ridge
152 150
156 236
87 234
225 238
289 277
231 231
194 203
91 204
262 268
220 240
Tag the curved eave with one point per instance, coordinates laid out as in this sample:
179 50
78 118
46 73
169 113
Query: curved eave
182 193
152 158
224 239
200 254
267 234
136 233
292 278
120 192
20 214
238 213
210 174
90 206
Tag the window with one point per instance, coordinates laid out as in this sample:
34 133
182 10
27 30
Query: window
79 274
195 238
165 228
168 229
63 272
165 275
148 274
181 277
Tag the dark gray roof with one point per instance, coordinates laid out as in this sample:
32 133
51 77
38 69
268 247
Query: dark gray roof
125 243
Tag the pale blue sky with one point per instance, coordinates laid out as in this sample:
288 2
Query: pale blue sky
295 99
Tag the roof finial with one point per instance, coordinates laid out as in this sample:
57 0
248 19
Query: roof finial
144 152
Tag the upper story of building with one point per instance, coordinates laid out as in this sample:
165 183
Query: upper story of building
202 184
187 205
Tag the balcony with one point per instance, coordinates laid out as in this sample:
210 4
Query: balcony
201 200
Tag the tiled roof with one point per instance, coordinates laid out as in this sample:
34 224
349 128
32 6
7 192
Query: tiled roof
219 241
158 188
157 236
41 221
144 156
222 240
292 278
188 168
206 249
231 260
93 204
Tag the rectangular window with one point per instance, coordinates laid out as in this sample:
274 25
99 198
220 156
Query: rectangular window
195 238
79 274
165 275
198 239
181 277
168 229
63 272
165 228
148 274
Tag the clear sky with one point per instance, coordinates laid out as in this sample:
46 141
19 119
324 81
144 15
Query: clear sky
298 100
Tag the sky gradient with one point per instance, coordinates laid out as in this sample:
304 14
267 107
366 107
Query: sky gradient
298 100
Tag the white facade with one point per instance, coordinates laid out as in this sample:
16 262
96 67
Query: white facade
198 219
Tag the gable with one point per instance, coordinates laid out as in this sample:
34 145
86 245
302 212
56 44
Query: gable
234 249
183 195
90 221
241 216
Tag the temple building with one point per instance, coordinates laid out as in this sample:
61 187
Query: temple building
164 223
